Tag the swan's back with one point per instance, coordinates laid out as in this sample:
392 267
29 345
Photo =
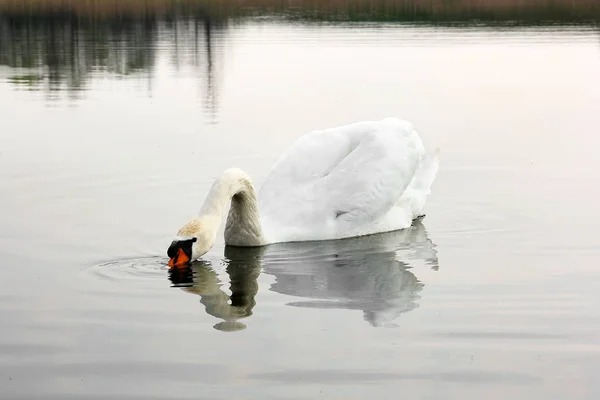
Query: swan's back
352 180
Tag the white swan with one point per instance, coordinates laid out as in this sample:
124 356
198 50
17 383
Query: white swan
353 180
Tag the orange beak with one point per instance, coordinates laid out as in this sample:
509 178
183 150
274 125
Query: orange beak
180 259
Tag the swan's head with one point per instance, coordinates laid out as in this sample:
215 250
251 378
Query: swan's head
192 242
181 251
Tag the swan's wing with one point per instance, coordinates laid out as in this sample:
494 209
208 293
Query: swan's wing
347 176
314 155
368 182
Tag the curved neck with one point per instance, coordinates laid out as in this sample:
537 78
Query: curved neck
243 226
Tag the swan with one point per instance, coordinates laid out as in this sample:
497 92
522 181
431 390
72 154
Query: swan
353 180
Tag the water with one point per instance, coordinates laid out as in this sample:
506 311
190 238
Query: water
113 130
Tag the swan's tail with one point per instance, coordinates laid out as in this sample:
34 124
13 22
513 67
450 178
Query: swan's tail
425 175
420 187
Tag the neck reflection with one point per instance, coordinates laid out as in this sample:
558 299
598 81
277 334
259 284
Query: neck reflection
201 279
373 274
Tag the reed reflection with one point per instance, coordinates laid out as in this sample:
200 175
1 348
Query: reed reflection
373 274
63 51
514 11
60 46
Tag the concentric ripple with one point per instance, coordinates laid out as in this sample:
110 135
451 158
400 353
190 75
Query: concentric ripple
136 269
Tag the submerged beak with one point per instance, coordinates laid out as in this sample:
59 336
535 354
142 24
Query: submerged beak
179 259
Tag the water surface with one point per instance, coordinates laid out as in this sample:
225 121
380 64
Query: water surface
112 132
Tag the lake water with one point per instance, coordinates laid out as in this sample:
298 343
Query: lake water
112 133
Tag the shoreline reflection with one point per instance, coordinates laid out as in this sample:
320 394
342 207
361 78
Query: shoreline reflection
62 52
372 274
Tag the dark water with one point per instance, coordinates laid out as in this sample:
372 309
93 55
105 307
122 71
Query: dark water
112 130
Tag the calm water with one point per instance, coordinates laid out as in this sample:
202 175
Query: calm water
112 133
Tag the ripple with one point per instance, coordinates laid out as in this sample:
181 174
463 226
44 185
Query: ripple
136 269
340 376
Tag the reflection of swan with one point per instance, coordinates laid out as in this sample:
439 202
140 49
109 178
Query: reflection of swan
349 181
368 273
201 279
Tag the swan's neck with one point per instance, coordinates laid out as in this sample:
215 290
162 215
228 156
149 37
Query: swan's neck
243 226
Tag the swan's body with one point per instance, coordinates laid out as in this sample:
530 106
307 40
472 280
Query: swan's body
353 180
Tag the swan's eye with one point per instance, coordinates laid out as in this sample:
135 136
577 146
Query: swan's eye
172 250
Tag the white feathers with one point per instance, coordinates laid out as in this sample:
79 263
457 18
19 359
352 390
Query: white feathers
353 180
